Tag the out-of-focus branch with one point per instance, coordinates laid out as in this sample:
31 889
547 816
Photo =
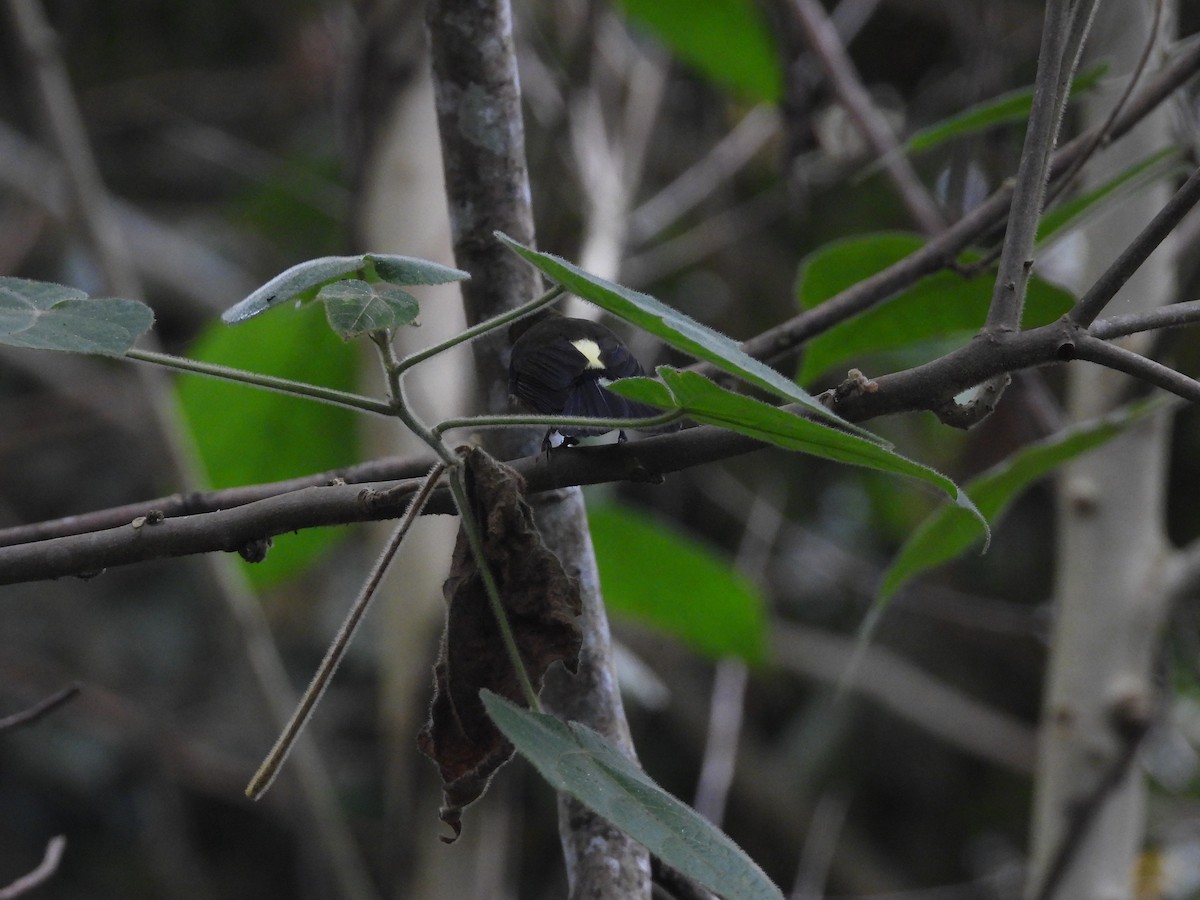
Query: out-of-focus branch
942 250
824 40
909 693
40 710
57 104
161 255
90 203
688 190
44 871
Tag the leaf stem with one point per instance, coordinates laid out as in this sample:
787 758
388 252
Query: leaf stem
333 656
644 423
482 328
266 382
458 488
399 405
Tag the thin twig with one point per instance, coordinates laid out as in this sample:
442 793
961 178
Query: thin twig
1093 302
471 527
1175 315
823 38
1100 136
266 773
497 321
398 401
1113 357
1016 260
44 871
40 710
344 399
644 424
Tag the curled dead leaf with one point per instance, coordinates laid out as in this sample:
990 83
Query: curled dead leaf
542 603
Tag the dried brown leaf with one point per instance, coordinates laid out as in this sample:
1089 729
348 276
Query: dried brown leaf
542 603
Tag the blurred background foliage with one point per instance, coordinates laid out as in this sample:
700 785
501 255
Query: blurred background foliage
247 133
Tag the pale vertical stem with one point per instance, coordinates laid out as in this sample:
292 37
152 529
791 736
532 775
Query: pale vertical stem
1110 602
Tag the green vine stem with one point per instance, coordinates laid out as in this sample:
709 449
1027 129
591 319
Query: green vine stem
337 649
265 382
394 370
458 488
643 424
399 401
481 329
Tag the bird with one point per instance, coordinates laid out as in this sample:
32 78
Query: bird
560 366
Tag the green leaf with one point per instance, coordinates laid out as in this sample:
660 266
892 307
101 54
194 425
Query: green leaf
948 532
303 280
300 282
723 613
576 760
246 436
410 270
704 401
356 307
1013 106
727 41
40 315
939 309
677 329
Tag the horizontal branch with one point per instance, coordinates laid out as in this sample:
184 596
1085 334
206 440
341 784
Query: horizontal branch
930 386
233 521
1113 357
231 530
389 468
1176 315
279 511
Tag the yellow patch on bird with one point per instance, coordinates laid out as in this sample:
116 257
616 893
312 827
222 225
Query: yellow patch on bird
591 352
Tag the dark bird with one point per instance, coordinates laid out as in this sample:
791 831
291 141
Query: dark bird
560 366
